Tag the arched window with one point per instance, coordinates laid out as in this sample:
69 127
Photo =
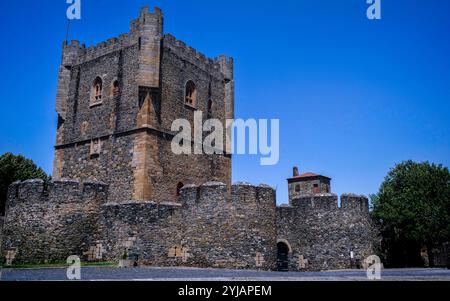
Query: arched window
179 186
190 94
115 88
97 90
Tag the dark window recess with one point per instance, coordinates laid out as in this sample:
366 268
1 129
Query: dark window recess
116 88
190 95
179 187
97 90
315 188
209 106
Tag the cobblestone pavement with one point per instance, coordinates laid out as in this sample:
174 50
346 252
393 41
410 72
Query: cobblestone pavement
190 274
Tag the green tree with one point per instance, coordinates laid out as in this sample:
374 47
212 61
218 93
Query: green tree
14 168
412 209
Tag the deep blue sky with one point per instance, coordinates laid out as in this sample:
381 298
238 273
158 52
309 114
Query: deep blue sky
353 96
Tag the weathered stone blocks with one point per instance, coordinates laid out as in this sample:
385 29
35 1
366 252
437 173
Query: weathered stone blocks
51 222
325 236
209 226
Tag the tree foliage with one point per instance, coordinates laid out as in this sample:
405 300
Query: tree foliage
14 168
412 209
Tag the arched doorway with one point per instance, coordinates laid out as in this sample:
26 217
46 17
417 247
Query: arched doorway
282 257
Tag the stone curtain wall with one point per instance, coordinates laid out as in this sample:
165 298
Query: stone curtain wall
144 230
209 227
230 230
322 235
44 224
2 219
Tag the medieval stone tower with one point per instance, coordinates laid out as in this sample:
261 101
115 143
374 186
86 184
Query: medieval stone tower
117 100
119 190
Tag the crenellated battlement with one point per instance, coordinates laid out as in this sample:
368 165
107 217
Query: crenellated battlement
75 54
144 16
222 64
57 191
350 201
330 202
217 192
323 201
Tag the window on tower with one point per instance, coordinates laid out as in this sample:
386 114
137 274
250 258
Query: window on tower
97 89
179 187
190 94
209 107
116 88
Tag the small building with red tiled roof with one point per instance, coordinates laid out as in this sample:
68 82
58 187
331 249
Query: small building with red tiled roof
307 183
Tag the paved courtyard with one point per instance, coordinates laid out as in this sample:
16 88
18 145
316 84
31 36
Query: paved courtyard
190 274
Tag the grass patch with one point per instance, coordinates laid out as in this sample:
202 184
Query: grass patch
58 265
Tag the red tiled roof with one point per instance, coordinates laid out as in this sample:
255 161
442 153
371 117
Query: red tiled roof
306 175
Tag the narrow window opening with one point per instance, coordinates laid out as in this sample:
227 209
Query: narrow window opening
179 187
97 89
315 188
116 88
209 106
190 93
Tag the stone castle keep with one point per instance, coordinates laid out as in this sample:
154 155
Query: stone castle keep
119 190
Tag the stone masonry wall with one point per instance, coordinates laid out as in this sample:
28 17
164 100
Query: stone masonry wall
44 224
134 126
144 230
321 235
230 230
2 219
307 187
210 226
